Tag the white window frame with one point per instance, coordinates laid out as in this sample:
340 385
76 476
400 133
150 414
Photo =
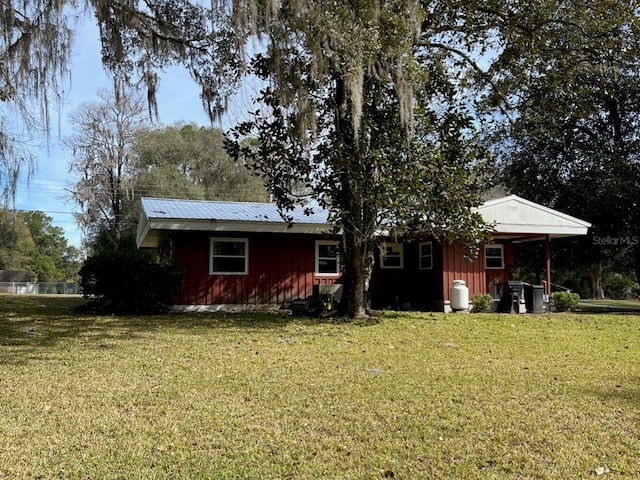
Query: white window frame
430 256
400 248
499 247
227 240
318 258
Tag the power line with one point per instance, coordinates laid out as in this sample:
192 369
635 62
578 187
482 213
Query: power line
53 212
155 191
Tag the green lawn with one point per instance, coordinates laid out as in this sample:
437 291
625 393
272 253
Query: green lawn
610 305
412 396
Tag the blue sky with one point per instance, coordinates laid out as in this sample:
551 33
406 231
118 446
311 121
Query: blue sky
178 100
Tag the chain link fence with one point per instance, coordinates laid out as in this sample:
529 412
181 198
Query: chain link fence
40 288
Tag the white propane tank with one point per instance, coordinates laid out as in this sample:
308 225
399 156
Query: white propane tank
459 295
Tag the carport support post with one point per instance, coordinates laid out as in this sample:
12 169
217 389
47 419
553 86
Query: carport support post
547 253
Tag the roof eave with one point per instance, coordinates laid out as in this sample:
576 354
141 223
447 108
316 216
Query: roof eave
214 226
551 230
142 230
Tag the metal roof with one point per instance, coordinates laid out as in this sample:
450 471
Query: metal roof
162 216
164 208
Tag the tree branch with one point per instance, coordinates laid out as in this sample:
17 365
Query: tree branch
474 65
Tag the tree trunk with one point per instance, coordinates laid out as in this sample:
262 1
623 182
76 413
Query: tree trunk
351 204
117 238
636 259
368 270
355 277
355 242
597 292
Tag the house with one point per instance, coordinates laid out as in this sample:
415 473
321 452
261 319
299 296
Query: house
244 255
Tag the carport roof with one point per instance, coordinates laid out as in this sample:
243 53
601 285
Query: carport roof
515 217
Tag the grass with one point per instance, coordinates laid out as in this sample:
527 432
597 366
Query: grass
270 397
608 305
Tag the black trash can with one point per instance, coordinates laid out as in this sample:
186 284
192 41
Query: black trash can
511 293
517 287
534 298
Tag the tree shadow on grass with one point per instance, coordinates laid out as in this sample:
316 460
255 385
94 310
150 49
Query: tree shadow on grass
625 390
595 306
29 324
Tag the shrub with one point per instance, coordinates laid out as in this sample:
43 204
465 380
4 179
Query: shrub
617 286
481 302
565 301
129 282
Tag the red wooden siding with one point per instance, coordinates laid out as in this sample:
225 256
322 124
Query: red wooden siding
478 278
456 267
281 269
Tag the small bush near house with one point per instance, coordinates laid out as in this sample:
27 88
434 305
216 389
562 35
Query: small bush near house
481 302
129 282
565 301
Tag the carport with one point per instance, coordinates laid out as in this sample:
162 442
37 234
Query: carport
518 220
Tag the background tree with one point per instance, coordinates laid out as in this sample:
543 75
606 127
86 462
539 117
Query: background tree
180 161
17 247
103 162
54 260
29 241
187 161
572 142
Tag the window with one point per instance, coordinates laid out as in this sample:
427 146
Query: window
426 255
494 256
391 255
327 258
229 256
